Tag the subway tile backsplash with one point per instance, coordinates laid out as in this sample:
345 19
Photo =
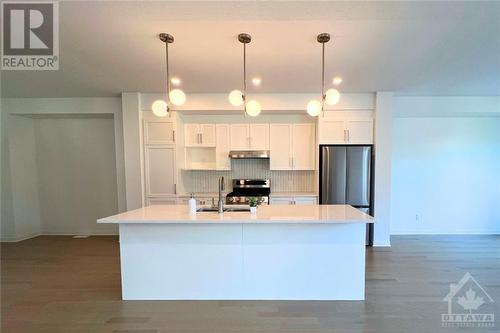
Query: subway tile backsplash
281 181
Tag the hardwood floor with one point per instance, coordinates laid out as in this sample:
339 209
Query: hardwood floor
60 284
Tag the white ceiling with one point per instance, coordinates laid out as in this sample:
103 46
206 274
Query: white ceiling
415 48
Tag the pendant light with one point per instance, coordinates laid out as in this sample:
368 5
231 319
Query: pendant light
332 96
176 96
236 97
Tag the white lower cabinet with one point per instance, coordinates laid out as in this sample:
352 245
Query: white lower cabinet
305 200
200 201
281 201
295 200
161 201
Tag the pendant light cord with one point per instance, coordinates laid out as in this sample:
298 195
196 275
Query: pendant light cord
245 78
322 76
168 75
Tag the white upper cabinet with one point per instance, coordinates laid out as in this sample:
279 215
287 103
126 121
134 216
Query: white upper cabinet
346 127
332 131
222 147
199 135
191 135
292 146
240 134
359 130
303 147
259 136
280 146
159 132
249 136
207 134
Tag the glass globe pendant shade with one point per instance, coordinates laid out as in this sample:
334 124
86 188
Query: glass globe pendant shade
160 108
314 108
177 97
253 108
332 96
236 98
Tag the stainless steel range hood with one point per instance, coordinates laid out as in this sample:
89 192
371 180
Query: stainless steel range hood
249 154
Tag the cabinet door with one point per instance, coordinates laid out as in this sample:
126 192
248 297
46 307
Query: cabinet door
240 137
360 131
281 201
160 170
161 201
207 135
280 146
159 132
222 160
191 135
303 147
332 131
304 200
259 136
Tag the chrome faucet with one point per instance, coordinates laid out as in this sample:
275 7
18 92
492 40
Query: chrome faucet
220 205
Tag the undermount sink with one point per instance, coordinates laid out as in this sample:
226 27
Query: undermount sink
226 209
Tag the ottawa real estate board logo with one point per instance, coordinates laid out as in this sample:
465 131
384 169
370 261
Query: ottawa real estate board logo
30 35
469 305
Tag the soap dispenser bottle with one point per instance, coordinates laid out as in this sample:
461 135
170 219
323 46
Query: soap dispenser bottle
192 204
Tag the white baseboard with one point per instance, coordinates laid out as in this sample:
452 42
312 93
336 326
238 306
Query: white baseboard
18 238
383 244
434 233
77 234
26 237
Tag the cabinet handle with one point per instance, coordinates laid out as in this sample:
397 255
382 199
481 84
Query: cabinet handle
173 135
345 137
348 135
175 188
201 138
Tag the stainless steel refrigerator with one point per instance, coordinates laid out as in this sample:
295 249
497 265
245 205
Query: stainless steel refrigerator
346 175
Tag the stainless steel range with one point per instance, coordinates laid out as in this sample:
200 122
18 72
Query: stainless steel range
244 189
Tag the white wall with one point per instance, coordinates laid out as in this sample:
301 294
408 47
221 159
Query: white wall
446 167
21 203
76 174
383 138
133 155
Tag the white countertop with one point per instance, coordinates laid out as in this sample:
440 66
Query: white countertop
265 214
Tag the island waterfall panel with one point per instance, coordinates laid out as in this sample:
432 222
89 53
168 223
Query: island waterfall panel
246 261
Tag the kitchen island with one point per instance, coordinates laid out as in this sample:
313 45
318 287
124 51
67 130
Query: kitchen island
309 252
